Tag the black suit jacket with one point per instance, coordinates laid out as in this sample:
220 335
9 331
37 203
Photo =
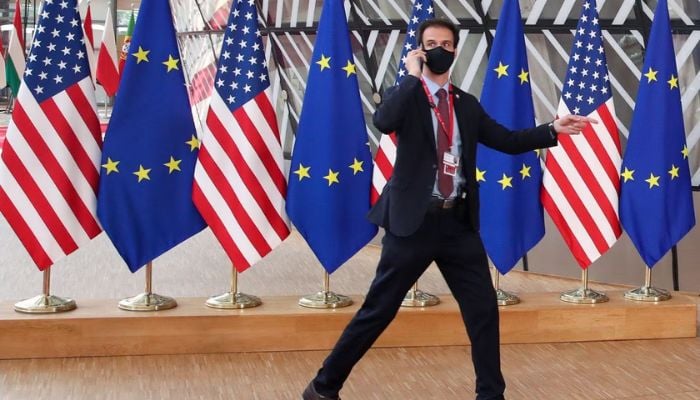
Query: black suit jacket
405 110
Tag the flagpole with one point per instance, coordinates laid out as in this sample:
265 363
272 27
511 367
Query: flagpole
325 298
45 302
648 292
148 301
418 298
503 298
583 295
233 299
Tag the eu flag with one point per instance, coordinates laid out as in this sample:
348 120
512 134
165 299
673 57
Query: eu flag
331 170
656 204
511 212
150 148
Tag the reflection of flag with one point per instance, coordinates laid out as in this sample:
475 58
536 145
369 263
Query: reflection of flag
86 15
145 198
239 179
331 168
581 183
656 203
107 67
15 61
511 212
49 169
386 153
124 53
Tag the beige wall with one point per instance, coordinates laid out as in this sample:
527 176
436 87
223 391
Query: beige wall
622 263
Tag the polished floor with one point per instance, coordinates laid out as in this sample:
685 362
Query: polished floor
663 369
660 369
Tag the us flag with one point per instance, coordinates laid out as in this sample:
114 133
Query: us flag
386 154
239 184
49 166
581 184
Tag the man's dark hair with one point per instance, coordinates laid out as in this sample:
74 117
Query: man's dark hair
440 23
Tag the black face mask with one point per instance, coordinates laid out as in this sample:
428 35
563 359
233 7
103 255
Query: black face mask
439 60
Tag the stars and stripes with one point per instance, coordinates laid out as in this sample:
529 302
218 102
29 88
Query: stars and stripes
49 165
239 185
386 153
581 184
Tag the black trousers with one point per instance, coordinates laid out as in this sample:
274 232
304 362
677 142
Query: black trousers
461 258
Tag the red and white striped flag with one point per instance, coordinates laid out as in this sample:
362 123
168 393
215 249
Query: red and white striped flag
239 183
386 153
581 184
88 35
107 61
49 168
203 61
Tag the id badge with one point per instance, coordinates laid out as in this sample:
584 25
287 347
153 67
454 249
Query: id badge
450 164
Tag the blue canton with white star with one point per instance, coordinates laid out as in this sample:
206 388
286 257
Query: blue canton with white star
422 10
242 72
57 59
587 84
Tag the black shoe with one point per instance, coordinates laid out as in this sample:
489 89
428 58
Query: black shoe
310 393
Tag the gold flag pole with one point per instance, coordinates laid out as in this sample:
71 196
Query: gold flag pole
503 298
648 292
418 298
325 298
45 302
584 295
148 301
233 299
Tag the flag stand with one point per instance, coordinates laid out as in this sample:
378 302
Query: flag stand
233 299
584 295
503 298
648 292
148 301
325 298
418 298
45 303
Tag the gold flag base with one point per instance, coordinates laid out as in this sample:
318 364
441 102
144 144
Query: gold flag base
418 298
232 300
44 304
648 293
147 302
583 296
504 298
325 299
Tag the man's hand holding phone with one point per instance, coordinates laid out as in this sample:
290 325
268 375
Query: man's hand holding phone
414 62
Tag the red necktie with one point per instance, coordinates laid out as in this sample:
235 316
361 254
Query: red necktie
445 182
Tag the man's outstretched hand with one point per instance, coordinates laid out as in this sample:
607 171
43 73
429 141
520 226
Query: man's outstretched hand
572 124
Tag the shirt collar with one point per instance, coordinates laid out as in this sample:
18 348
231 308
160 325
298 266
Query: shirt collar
434 87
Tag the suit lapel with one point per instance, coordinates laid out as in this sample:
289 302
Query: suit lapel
461 113
427 112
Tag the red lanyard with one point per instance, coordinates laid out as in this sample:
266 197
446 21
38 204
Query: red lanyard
441 120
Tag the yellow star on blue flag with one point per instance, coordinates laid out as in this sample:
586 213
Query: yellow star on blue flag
511 213
658 211
147 212
329 210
